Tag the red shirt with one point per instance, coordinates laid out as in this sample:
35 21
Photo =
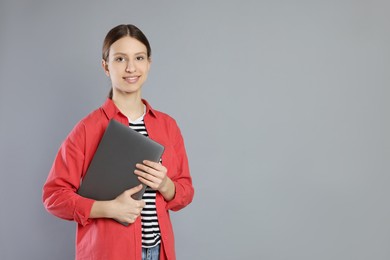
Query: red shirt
105 238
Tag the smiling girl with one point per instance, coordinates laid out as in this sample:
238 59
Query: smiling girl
126 59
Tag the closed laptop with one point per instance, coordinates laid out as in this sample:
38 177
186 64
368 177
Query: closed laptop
111 170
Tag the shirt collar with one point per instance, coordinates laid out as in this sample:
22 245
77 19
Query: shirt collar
149 109
110 109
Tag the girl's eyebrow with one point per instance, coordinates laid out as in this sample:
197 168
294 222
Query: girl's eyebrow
120 53
124 54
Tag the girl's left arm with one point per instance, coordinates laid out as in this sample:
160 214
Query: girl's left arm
181 178
174 181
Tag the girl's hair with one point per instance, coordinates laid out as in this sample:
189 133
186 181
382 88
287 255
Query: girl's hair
119 32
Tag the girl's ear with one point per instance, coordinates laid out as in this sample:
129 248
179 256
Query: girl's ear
105 67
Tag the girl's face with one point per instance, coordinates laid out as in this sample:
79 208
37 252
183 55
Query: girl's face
127 66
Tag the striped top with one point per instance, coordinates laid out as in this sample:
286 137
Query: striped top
150 228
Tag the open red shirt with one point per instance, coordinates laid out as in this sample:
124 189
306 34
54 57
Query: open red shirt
102 239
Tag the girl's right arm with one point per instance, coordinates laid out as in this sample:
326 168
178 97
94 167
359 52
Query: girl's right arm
59 191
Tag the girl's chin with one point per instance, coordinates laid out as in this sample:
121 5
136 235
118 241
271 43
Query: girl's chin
126 91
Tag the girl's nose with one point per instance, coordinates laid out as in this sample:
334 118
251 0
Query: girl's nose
130 67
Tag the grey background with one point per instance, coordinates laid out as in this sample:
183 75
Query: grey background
284 106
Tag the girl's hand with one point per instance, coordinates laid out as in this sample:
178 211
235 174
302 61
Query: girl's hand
155 176
123 208
127 208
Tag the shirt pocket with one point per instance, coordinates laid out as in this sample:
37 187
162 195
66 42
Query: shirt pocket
169 160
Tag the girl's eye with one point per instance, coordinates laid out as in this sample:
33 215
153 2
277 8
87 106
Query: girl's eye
119 59
140 58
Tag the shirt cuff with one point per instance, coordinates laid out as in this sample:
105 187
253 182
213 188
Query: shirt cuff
83 211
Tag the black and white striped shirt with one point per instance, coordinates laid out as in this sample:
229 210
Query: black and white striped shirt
150 229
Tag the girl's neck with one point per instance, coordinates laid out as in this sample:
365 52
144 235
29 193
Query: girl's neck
130 105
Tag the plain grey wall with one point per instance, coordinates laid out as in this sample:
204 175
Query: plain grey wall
284 107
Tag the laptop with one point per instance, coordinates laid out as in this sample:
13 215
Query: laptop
111 170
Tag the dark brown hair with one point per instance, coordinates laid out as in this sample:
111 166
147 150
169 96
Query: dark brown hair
119 32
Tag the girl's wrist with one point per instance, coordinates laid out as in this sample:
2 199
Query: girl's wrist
168 190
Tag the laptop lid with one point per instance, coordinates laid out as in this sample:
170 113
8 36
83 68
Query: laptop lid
111 170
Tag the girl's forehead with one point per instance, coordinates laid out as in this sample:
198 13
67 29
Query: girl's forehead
128 45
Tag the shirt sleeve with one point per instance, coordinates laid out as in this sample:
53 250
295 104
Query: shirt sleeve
59 191
184 191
